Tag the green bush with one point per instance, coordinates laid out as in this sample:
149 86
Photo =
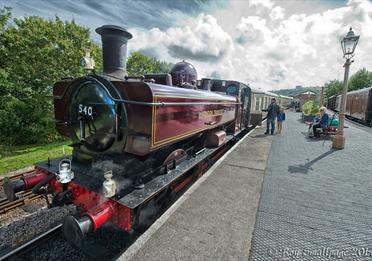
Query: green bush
310 107
35 53
139 64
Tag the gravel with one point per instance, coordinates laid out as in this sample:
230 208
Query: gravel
56 249
21 212
27 228
106 244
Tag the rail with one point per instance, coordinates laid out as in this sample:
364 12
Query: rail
33 243
24 197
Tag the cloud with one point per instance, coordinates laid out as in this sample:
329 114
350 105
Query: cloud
145 14
202 39
268 44
266 47
274 48
252 30
182 52
277 13
262 3
215 75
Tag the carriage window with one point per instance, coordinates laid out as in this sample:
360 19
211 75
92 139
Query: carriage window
232 90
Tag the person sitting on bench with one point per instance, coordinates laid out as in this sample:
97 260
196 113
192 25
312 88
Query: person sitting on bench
314 121
322 123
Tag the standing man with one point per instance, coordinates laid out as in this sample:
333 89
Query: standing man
272 112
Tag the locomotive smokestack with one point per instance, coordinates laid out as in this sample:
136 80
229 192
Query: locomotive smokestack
114 46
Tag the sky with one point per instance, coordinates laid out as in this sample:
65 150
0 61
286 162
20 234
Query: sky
269 44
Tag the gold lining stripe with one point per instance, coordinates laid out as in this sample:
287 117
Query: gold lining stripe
182 135
179 136
158 143
153 121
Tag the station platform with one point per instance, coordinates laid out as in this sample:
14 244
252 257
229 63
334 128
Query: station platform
280 197
214 219
316 202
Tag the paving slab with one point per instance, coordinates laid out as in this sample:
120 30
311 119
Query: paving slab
216 220
316 202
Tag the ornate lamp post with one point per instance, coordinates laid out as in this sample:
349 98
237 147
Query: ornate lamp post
348 45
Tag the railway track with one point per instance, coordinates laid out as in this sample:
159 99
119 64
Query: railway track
22 197
32 244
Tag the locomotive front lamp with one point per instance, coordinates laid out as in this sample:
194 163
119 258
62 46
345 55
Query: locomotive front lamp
109 185
348 44
65 174
87 62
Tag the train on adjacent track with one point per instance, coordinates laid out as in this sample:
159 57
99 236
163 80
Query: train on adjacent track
135 139
262 99
358 105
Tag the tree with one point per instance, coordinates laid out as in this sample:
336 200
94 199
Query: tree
139 64
35 53
333 87
359 80
310 107
5 15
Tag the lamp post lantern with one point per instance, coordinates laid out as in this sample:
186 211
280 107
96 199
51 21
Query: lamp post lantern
348 44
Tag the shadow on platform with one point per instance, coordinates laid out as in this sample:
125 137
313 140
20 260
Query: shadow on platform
308 139
304 168
260 136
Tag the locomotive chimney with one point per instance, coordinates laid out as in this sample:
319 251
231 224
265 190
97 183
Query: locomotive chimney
114 47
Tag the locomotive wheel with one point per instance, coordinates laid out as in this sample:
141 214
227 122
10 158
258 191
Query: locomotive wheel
175 158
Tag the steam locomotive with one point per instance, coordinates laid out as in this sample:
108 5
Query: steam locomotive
133 138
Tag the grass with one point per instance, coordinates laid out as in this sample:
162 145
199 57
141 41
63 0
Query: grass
16 157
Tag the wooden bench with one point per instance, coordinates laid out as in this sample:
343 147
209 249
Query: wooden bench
328 132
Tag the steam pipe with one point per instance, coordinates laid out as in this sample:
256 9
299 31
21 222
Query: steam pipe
114 47
25 183
41 183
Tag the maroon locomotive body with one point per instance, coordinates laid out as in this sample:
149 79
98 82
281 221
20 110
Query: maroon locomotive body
144 117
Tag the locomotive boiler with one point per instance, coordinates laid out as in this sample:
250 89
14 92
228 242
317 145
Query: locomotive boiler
151 129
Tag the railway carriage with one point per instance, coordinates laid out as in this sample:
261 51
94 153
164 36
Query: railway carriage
331 103
358 105
285 101
261 100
